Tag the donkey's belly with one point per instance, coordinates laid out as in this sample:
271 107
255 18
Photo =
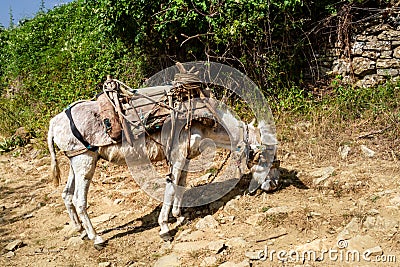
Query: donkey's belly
117 154
113 153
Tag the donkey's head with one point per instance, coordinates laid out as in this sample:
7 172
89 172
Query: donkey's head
262 149
256 144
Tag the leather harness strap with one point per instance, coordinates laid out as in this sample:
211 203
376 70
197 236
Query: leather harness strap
76 132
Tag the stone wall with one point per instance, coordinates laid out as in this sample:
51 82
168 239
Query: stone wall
374 57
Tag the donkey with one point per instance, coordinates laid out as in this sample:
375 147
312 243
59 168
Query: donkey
251 142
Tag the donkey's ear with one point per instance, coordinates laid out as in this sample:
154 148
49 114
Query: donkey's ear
268 133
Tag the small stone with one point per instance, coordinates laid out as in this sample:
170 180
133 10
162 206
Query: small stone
236 242
166 246
207 222
315 214
208 261
193 236
102 218
373 212
341 67
316 245
171 260
230 218
375 251
118 201
185 247
183 234
387 72
14 245
388 34
383 225
201 180
216 246
344 151
68 230
383 54
255 219
362 65
27 216
369 222
227 219
396 52
349 230
369 80
244 263
255 255
395 201
75 241
232 205
9 254
279 210
378 45
105 264
388 63
367 152
362 243
357 48
322 174
376 54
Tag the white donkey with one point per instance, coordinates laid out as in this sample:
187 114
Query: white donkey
85 115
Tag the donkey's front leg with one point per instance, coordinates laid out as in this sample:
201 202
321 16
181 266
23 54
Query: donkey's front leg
194 145
178 198
171 189
166 207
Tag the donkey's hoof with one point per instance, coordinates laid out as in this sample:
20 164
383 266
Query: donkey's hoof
84 235
99 243
100 246
166 237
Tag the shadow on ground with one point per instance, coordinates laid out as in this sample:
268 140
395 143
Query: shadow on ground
149 221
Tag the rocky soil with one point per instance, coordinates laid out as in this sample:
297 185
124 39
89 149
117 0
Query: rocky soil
339 202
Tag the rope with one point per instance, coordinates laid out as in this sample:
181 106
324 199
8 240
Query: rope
132 92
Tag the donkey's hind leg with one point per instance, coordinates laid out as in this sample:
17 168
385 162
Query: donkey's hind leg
67 196
84 166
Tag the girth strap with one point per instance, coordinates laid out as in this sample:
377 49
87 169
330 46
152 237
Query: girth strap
76 132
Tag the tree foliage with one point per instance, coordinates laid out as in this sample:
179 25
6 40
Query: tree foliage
65 54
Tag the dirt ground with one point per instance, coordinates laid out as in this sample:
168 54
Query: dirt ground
327 195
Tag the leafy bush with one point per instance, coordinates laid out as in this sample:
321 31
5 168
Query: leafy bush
65 54
8 144
55 59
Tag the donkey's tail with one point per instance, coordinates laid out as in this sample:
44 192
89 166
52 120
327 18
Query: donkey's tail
55 170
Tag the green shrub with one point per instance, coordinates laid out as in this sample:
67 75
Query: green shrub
64 55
